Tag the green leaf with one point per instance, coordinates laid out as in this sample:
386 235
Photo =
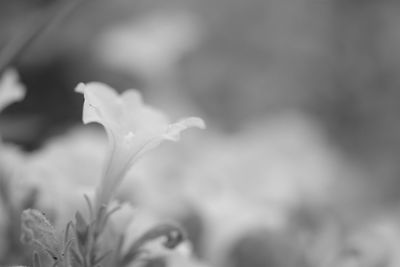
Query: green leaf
38 232
68 232
82 229
90 206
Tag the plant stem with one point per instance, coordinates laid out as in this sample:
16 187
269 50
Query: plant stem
42 22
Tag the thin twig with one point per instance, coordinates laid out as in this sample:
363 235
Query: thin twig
43 22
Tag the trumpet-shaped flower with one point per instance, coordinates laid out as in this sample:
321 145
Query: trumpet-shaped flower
133 128
11 90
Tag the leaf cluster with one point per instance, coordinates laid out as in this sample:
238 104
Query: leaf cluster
82 245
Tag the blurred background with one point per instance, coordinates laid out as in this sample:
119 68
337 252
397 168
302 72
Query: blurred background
301 99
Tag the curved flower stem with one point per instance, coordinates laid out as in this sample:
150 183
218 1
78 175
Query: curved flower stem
42 22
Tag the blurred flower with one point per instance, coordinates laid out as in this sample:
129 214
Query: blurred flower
376 243
70 165
11 158
151 46
10 89
133 128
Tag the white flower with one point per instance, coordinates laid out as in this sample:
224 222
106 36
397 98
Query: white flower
133 128
11 90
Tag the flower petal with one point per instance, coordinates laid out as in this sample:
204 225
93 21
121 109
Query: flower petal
101 103
132 98
11 90
139 117
173 131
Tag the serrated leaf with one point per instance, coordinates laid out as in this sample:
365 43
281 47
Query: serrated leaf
38 232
